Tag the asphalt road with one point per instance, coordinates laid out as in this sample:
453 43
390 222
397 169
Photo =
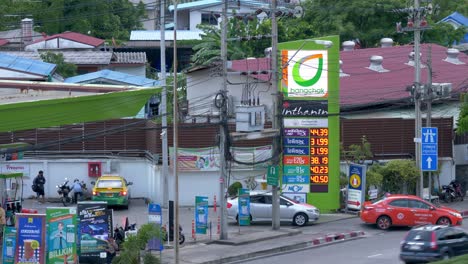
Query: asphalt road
382 247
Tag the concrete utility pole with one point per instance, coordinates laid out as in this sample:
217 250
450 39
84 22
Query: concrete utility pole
175 123
275 223
429 104
165 158
417 93
222 132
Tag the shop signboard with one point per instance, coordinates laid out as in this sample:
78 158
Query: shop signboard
30 239
201 214
93 231
61 235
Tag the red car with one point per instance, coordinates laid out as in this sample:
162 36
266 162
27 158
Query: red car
407 210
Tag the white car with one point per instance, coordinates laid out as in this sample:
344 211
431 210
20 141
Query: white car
261 209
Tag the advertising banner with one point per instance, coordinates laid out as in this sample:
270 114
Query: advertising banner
30 239
9 244
201 214
356 186
244 207
155 217
93 230
61 235
207 159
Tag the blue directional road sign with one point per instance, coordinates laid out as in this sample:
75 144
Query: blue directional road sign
429 154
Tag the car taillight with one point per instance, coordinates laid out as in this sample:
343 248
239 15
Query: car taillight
229 205
95 193
123 193
433 241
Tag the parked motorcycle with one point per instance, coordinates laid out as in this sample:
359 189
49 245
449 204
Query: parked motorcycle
181 235
119 233
64 190
452 192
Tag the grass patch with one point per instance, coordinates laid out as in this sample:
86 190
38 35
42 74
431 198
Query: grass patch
458 260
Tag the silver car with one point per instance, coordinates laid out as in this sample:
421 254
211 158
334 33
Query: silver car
261 209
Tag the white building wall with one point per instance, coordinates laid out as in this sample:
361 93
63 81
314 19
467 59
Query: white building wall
57 43
195 19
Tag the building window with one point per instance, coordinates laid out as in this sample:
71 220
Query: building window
209 19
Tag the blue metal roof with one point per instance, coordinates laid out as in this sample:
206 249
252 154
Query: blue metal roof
26 65
113 76
457 17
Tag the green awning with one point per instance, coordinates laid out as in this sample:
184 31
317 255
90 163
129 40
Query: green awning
65 111
11 175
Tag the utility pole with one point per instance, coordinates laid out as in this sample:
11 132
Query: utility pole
275 223
175 123
429 105
417 93
165 158
222 132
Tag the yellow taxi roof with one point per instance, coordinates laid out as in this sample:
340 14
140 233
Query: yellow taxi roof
110 177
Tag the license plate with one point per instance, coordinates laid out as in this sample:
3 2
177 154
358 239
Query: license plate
415 247
110 195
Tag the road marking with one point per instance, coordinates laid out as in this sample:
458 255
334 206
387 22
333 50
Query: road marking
373 256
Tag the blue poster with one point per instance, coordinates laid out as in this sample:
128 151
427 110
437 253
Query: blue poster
244 207
201 214
30 239
9 244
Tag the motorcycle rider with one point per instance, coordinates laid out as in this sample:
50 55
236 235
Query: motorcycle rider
77 190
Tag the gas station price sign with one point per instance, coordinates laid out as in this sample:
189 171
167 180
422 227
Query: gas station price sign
319 160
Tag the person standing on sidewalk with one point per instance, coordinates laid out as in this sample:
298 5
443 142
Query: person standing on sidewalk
40 181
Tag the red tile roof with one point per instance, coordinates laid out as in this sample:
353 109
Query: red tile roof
77 37
3 42
367 87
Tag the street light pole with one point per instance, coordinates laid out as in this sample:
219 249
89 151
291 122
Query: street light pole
165 161
175 123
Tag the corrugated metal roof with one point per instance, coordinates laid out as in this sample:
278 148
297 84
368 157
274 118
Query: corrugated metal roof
74 36
155 35
206 3
114 76
457 17
130 57
26 65
15 35
75 57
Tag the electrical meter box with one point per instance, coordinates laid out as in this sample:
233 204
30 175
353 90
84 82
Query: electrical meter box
250 118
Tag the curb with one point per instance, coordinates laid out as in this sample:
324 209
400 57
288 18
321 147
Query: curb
318 242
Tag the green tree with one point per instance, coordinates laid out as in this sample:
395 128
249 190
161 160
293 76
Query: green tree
462 122
133 245
63 68
399 176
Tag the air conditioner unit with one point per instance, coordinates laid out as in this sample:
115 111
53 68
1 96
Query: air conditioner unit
441 90
250 118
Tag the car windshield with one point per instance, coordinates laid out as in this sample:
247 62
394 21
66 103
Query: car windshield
109 184
289 199
419 235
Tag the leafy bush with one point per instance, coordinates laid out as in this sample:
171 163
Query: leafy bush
131 248
234 188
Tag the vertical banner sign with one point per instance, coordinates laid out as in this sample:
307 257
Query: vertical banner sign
272 175
311 125
201 214
356 186
93 230
30 239
9 244
244 207
155 217
61 235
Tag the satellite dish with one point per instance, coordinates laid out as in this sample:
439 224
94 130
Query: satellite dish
298 11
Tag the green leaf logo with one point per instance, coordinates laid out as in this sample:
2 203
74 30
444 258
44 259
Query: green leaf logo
303 82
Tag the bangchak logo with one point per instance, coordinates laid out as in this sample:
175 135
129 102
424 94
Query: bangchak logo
307 73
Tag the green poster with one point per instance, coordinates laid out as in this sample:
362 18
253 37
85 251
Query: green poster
9 244
61 235
244 207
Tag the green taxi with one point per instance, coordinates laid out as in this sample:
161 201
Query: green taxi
112 189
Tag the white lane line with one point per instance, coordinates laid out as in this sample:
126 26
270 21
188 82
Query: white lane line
373 256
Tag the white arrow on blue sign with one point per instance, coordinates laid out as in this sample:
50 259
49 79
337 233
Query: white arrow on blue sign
429 149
